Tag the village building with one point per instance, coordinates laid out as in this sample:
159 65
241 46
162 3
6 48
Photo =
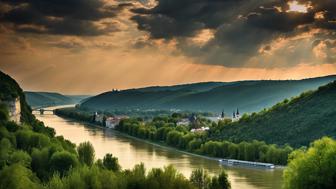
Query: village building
98 118
112 122
202 129
184 121
236 115
188 121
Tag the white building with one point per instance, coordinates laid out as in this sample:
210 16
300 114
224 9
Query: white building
183 122
112 122
202 129
98 118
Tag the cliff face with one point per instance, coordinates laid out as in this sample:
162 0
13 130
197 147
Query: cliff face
13 97
14 109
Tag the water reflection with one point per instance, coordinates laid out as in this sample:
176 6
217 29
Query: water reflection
131 152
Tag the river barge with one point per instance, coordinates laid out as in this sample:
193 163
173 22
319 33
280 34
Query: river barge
246 163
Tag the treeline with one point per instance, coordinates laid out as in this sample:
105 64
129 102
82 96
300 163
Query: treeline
164 130
86 114
31 156
75 113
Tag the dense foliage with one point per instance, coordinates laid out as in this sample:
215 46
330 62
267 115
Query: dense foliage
297 122
314 168
164 130
248 96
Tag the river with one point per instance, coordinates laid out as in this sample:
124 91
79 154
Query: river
131 152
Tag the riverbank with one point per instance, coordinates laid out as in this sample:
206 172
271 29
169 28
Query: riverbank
157 144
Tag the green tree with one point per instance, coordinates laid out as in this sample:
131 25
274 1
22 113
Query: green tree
17 176
111 163
173 138
200 178
314 168
61 162
86 153
220 182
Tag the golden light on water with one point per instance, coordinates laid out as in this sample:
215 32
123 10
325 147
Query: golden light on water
294 6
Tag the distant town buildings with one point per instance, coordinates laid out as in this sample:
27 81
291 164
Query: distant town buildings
188 121
236 115
112 122
108 121
184 121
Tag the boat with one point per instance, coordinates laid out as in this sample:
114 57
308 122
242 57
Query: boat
247 163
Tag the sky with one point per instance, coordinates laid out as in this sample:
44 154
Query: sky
92 46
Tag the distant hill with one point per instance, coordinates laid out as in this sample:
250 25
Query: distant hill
297 122
248 96
42 99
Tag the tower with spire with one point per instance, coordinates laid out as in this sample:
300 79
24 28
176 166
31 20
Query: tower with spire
236 115
223 115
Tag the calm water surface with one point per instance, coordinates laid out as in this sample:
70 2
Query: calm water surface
131 152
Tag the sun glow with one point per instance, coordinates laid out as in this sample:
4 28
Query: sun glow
294 6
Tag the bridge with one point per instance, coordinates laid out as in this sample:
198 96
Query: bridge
42 111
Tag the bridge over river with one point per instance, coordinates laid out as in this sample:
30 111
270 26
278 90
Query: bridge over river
42 111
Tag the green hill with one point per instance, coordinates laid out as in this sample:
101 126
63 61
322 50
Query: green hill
248 96
297 122
42 99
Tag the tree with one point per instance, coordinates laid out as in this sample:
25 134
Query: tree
314 168
111 163
220 182
17 176
200 178
86 153
62 161
173 138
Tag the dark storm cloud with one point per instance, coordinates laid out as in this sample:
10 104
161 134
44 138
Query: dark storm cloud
64 17
241 27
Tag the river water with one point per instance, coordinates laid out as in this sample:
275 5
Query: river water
131 152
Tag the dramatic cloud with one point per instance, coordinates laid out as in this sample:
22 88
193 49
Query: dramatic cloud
63 17
242 29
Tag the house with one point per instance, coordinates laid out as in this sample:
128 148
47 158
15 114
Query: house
183 122
202 129
98 118
112 122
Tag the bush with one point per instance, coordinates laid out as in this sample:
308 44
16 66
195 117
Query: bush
62 162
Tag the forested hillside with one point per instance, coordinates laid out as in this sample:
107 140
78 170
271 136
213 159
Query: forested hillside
38 99
248 96
297 122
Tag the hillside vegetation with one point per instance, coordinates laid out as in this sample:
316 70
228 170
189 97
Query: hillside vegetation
248 96
297 122
42 99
